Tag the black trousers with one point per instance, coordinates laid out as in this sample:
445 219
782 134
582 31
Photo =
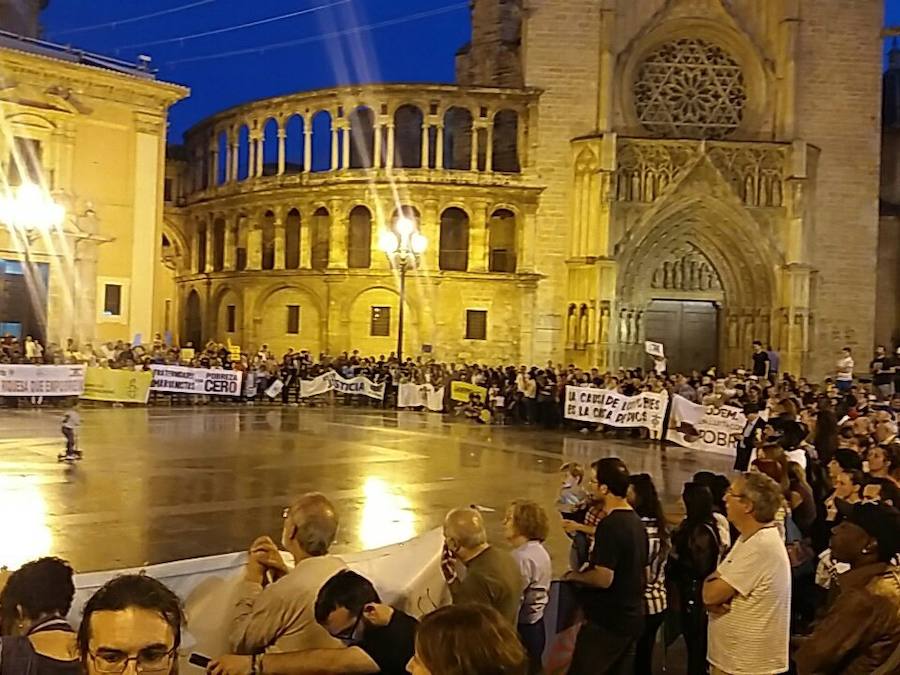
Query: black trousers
643 658
70 440
599 651
534 639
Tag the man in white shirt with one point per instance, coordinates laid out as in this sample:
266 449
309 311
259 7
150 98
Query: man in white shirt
749 595
844 379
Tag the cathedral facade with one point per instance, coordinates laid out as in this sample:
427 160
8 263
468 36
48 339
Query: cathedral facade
702 173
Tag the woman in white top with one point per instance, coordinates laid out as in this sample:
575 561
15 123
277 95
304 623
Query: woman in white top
526 528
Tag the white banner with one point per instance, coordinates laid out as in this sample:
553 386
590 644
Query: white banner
605 406
407 576
716 431
420 396
27 380
331 381
206 381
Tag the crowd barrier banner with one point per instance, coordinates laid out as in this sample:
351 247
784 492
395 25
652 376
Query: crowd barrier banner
205 381
420 396
118 386
460 391
26 380
322 384
604 406
407 576
706 428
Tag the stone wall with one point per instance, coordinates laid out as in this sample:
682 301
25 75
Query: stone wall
838 110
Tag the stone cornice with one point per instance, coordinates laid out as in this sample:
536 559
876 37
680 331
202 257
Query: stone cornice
89 81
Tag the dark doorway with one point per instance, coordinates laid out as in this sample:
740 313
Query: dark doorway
193 321
23 299
688 329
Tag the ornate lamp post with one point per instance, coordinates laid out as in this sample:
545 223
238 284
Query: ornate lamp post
402 246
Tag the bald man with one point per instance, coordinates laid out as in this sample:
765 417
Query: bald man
492 577
279 615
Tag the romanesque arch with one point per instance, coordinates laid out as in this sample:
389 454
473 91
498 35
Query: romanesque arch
193 320
227 315
288 316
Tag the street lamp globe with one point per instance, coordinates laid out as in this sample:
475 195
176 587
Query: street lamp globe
405 226
388 242
418 243
29 207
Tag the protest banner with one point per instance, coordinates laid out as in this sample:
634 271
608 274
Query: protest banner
406 576
654 348
206 381
460 391
361 386
604 406
715 431
420 396
27 380
118 386
275 389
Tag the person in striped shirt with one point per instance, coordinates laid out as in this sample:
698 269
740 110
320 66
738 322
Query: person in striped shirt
645 501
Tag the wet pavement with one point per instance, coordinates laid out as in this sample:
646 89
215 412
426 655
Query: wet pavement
163 484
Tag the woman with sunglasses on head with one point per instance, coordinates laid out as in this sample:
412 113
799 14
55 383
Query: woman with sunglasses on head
37 639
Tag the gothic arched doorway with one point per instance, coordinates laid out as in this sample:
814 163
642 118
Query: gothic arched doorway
193 321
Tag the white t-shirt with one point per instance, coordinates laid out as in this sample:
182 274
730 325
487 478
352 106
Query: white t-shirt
846 364
752 637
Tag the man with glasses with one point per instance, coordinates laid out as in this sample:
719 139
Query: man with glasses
275 610
132 624
749 596
380 639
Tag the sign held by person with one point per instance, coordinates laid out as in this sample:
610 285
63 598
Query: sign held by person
200 381
27 380
654 348
605 406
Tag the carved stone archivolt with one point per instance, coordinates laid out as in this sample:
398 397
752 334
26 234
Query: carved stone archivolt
690 88
647 168
686 269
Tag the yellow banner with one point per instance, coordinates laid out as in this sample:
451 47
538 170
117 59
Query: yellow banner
119 386
460 391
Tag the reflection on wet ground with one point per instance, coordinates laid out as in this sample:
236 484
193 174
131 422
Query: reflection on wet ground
163 484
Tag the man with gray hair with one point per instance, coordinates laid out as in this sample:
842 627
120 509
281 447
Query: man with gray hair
492 577
276 608
749 596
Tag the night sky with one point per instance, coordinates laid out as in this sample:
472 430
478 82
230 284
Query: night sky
334 44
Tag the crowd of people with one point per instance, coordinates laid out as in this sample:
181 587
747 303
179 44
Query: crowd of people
789 566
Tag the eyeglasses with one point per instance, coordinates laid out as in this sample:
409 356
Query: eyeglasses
731 493
148 661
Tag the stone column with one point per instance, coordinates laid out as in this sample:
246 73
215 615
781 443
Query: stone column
195 253
235 153
337 236
334 147
251 161
478 238
282 138
439 150
279 242
260 152
376 151
489 150
426 145
230 245
391 140
345 147
305 241
473 159
307 144
254 247
210 234
213 168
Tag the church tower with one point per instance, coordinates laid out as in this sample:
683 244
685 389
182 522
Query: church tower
22 16
493 58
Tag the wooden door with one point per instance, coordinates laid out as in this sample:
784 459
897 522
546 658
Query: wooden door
688 329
